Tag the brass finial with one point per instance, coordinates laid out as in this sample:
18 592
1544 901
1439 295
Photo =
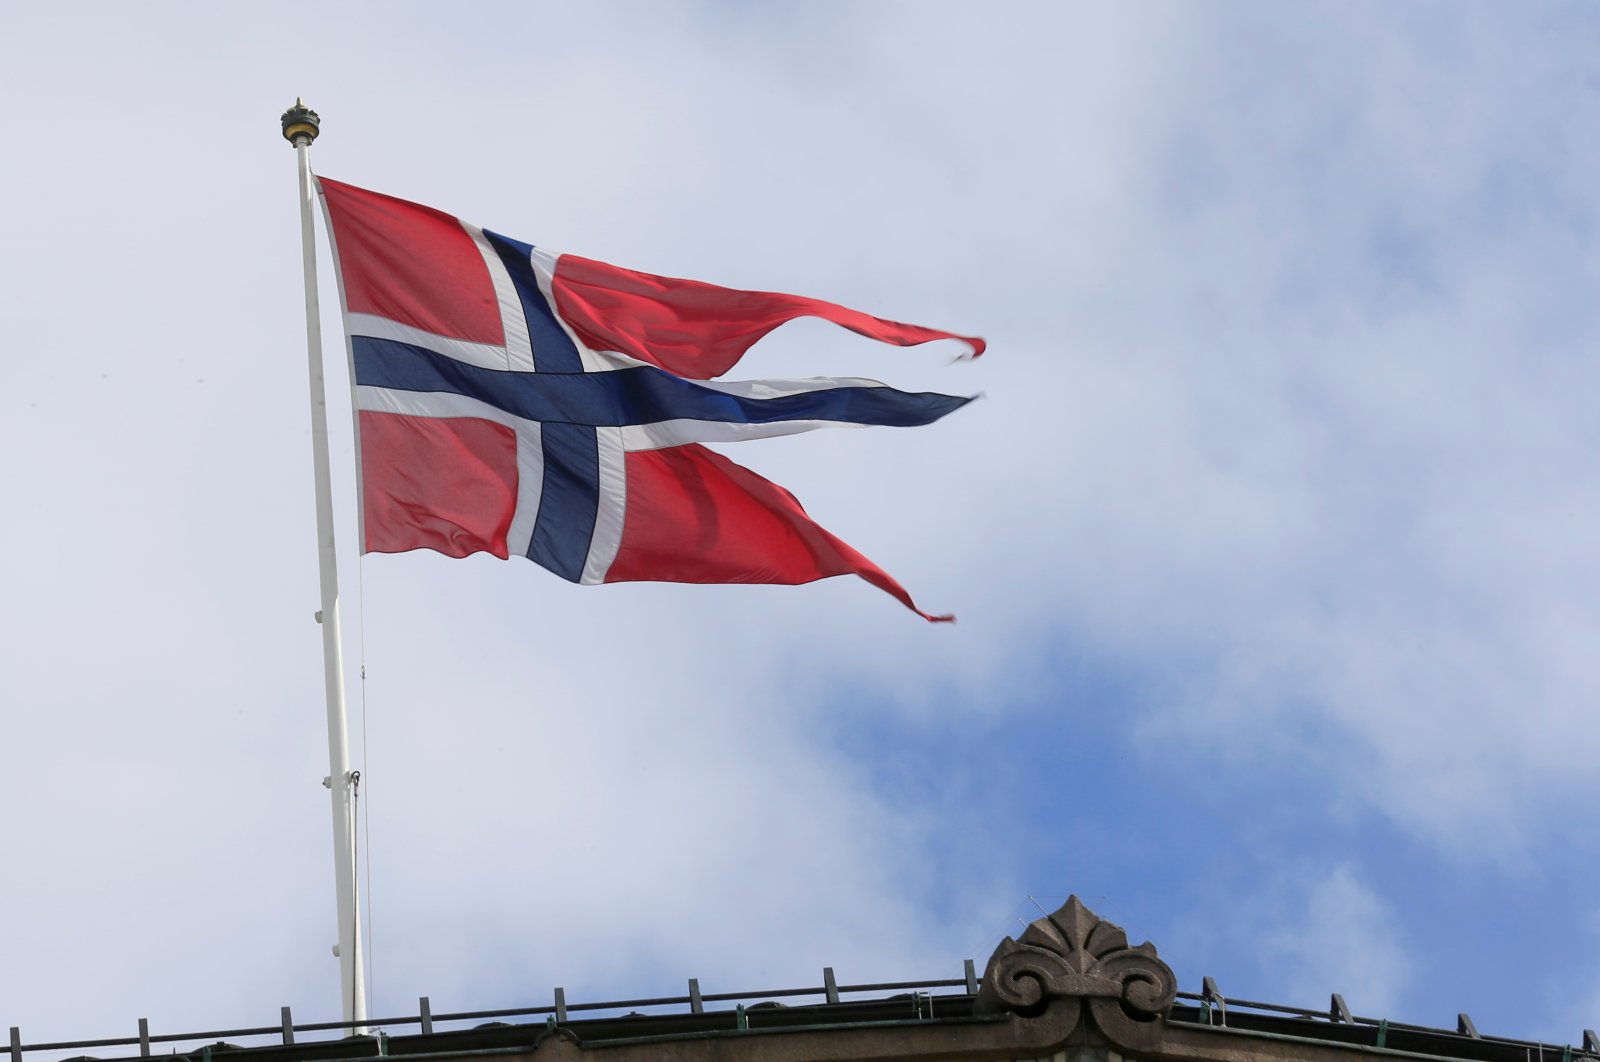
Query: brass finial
300 121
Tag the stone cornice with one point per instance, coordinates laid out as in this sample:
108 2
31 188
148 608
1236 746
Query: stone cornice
1076 970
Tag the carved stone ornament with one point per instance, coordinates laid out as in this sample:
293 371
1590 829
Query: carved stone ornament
1072 961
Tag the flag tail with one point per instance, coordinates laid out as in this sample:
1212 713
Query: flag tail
696 329
696 517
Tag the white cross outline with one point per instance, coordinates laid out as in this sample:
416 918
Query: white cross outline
613 443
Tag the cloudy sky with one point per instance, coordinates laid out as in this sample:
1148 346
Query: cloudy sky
1273 540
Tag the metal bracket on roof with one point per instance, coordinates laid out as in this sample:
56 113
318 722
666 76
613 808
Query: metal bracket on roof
16 1044
144 1037
1464 1026
1338 1010
830 987
1210 994
561 1005
1591 1042
971 971
696 1005
425 1015
287 1022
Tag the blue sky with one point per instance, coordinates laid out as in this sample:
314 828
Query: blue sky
1272 540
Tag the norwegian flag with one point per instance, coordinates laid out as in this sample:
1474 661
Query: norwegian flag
512 400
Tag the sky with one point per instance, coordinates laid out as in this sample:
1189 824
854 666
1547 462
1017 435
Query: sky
1272 540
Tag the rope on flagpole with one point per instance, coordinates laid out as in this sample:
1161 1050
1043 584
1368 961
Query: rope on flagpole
355 860
366 808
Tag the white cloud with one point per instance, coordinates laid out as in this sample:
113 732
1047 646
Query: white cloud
1334 934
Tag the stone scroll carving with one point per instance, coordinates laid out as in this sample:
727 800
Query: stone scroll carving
1073 961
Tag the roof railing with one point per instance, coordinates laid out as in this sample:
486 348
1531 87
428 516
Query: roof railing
426 1020
1214 1008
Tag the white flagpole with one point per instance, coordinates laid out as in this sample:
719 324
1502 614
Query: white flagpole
300 127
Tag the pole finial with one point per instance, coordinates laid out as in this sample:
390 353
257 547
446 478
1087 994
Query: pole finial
300 122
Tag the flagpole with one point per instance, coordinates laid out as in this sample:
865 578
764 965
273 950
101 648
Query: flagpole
300 128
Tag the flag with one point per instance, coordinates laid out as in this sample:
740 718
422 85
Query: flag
513 400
